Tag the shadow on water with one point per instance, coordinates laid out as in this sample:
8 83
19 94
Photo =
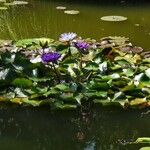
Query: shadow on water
35 129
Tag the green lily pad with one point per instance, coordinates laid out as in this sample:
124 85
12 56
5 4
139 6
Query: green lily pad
60 7
138 101
16 3
9 4
30 42
72 12
2 1
113 18
3 8
20 2
145 148
143 140
22 82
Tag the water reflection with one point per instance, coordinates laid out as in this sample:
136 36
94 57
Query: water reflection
41 130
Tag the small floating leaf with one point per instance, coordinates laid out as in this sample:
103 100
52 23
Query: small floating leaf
71 12
143 140
9 4
20 2
61 7
145 148
22 82
3 8
2 1
16 3
113 18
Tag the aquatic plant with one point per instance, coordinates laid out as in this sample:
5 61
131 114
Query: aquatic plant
50 57
35 73
82 46
66 37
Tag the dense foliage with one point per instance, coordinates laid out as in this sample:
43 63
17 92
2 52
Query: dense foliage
71 72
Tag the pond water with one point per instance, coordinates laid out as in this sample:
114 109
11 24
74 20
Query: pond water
39 129
26 128
41 19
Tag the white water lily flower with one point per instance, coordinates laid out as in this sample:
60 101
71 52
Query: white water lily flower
66 37
36 59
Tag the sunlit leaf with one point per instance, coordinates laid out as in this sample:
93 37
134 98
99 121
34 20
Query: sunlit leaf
72 12
113 18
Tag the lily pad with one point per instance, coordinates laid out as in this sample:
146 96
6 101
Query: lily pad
143 140
3 8
9 4
72 12
16 3
2 1
20 2
145 148
60 7
113 18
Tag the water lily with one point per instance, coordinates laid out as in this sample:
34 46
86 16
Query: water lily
66 37
82 46
50 57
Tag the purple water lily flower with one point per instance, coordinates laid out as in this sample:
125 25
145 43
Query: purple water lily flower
50 57
82 45
66 37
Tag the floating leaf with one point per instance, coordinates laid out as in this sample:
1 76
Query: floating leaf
113 18
138 101
16 3
9 4
30 42
72 12
22 82
143 140
61 7
20 2
3 8
118 40
145 148
147 72
2 1
62 87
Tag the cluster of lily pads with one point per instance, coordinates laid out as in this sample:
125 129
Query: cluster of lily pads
4 4
72 71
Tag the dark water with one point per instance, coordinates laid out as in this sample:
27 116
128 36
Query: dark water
26 128
40 18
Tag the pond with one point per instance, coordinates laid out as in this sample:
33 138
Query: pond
40 18
102 129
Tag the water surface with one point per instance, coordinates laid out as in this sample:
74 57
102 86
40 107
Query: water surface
39 129
41 19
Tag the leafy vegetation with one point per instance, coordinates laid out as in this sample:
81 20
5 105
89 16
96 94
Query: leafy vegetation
84 72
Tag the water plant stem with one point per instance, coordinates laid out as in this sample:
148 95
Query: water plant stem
55 70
